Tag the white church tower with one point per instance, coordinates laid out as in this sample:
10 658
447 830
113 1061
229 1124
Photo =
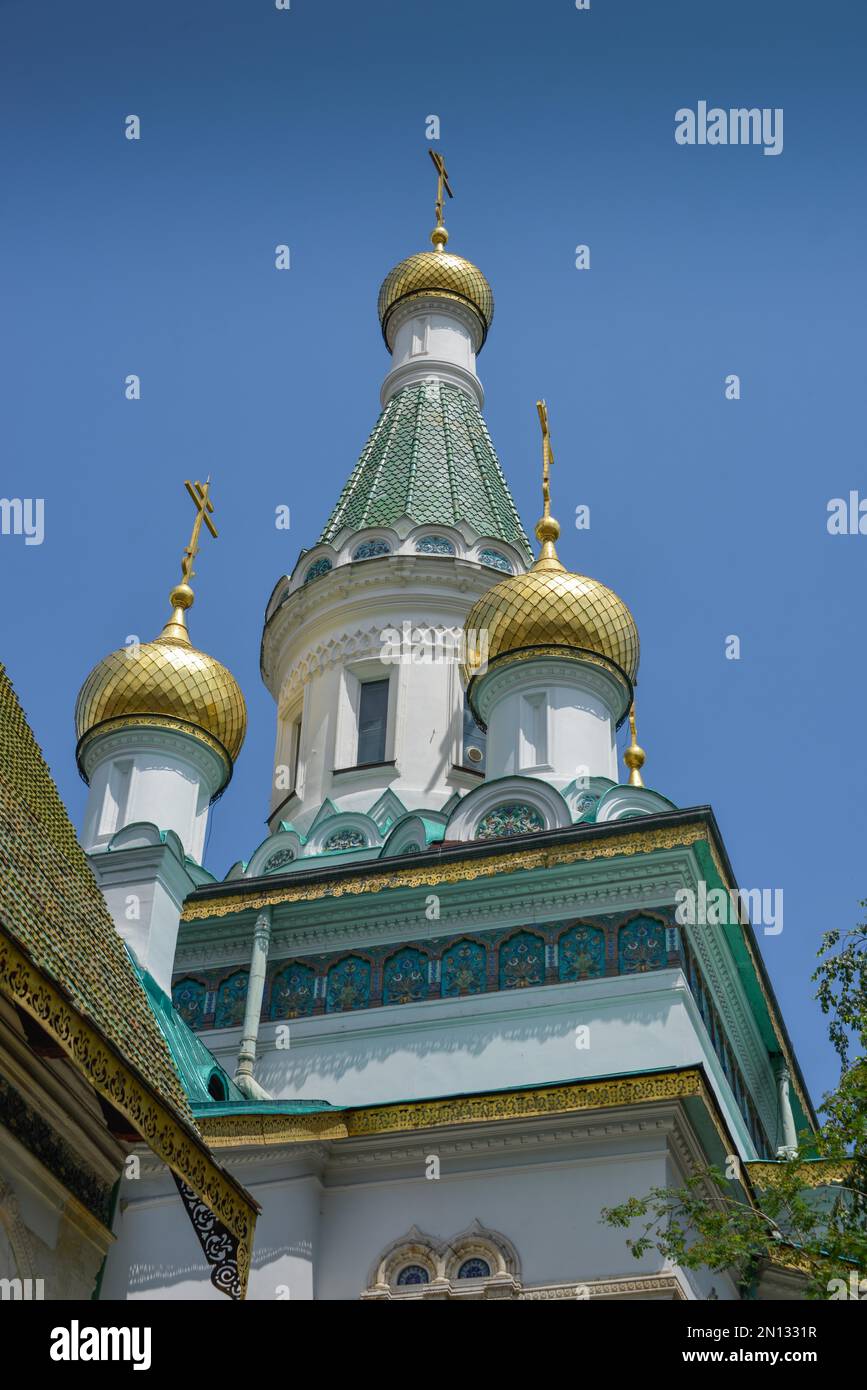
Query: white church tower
367 723
159 726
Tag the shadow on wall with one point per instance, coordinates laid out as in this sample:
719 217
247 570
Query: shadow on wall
287 1072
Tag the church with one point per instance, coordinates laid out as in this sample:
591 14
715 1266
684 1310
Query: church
447 1010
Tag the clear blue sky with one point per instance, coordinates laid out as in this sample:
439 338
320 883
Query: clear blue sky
307 127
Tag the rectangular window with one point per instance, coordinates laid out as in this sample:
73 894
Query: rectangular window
296 751
534 730
116 797
372 722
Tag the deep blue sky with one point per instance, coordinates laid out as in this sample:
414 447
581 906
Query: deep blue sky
307 127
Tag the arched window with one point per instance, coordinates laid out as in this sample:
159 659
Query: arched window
413 1274
371 550
278 861
435 545
495 561
216 1088
345 839
474 1268
512 818
317 569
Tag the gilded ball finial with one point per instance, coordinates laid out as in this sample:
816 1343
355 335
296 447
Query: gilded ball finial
439 236
547 529
181 596
634 757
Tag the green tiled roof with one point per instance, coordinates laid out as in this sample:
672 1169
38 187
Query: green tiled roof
51 906
430 457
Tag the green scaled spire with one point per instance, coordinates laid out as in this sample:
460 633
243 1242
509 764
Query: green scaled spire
430 457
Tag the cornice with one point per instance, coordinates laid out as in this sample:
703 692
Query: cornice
566 1098
322 928
460 866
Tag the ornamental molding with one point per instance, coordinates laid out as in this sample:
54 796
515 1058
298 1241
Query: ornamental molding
666 1286
429 368
638 888
229 1131
811 1172
539 795
595 680
729 999
662 1287
625 843
144 733
455 580
163 1131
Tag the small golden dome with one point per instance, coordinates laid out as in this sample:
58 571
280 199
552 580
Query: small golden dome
443 275
167 681
548 609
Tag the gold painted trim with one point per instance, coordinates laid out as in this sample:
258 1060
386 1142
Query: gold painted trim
629 842
152 721
812 1174
243 1131
567 1098
26 987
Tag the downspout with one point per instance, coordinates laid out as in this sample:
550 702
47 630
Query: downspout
244 1079
789 1146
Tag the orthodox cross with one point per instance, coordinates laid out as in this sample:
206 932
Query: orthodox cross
547 456
204 507
442 183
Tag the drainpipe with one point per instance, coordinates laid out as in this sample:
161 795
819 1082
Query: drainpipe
255 990
789 1146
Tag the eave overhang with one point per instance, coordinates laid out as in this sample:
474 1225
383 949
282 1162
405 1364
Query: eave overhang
118 1082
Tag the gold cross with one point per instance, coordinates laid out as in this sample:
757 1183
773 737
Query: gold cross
442 183
547 456
204 506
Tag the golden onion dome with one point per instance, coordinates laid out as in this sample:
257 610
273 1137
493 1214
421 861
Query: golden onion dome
165 683
440 275
549 611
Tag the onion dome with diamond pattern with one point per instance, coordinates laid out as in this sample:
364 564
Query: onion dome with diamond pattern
165 683
437 274
550 612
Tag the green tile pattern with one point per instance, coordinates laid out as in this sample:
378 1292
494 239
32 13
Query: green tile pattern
431 458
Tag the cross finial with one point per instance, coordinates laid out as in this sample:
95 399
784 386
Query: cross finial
548 528
204 508
181 597
547 457
439 235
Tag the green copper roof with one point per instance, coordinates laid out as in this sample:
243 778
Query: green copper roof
430 457
195 1064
